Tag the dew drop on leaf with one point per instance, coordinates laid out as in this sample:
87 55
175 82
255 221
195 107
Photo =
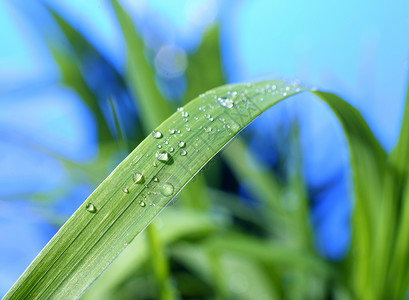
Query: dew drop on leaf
180 109
185 114
181 144
156 179
225 102
156 134
142 204
91 208
167 189
162 156
183 152
171 149
125 190
138 178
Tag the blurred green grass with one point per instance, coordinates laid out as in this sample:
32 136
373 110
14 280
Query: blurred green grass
208 248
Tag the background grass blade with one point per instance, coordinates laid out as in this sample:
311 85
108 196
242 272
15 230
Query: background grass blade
368 168
125 203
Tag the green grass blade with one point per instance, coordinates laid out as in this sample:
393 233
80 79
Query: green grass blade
368 168
125 203
139 74
400 155
204 70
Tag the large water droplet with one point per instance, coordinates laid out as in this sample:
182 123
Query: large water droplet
138 178
156 134
162 156
167 189
225 102
91 208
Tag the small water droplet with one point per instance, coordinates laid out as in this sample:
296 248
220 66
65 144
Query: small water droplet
156 179
225 102
125 190
185 114
171 149
162 156
138 178
156 134
166 142
188 129
142 204
155 164
159 146
180 109
208 129
172 131
183 152
167 189
91 208
181 144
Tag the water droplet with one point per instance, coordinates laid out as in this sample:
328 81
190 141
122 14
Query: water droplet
181 144
211 119
185 114
166 142
183 152
156 179
162 156
171 131
208 129
142 204
156 134
138 178
91 208
188 129
125 190
225 102
155 164
171 149
180 109
167 189
159 146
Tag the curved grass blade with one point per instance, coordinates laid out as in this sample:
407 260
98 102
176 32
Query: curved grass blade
368 161
141 186
151 176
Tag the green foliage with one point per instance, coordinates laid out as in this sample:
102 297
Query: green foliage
210 245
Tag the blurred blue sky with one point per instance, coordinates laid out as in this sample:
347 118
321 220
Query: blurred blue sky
358 49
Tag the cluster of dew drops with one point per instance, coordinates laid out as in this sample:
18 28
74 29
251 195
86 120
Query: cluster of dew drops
228 102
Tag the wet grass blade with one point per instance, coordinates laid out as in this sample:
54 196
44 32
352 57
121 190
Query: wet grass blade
141 186
150 177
